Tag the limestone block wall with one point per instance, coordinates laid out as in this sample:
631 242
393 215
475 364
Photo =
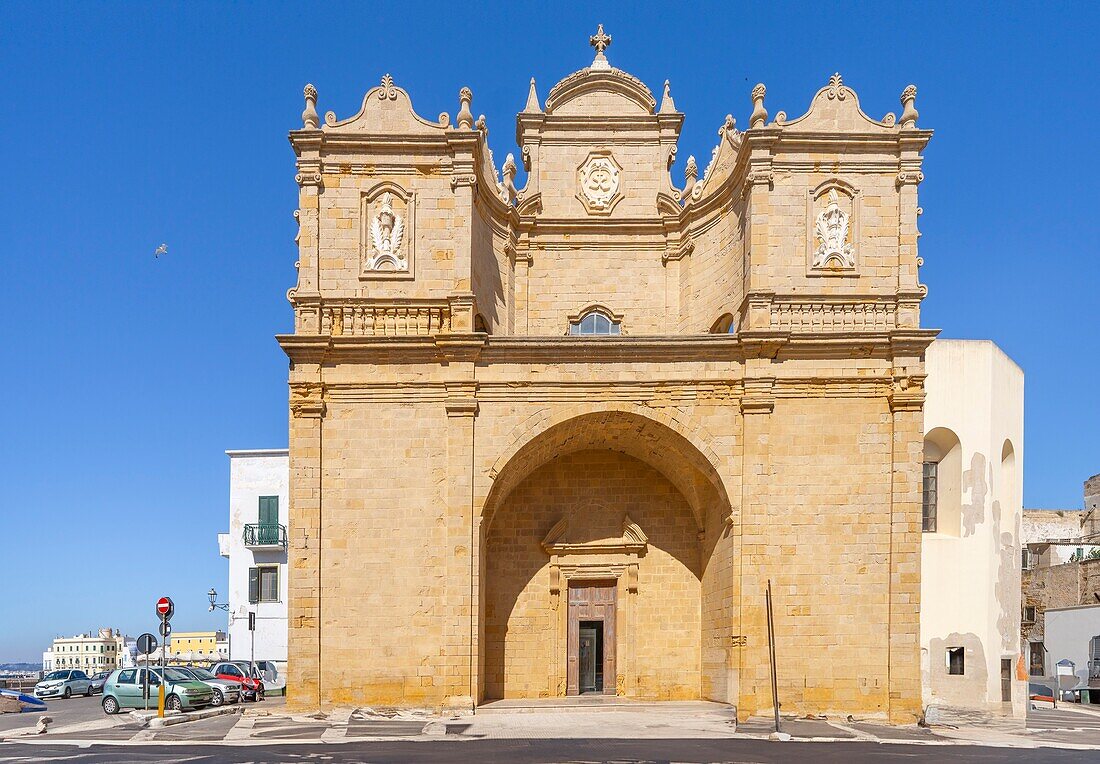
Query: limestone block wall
439 213
821 531
381 554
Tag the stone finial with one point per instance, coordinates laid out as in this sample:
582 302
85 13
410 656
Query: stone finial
465 117
532 106
909 112
600 41
691 175
667 105
509 173
310 120
759 113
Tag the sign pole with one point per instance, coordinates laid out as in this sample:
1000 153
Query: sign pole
771 655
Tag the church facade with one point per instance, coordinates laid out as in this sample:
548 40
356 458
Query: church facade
558 439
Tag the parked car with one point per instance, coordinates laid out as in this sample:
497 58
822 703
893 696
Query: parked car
225 691
252 685
124 689
63 684
98 680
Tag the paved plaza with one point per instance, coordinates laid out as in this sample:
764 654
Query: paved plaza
635 732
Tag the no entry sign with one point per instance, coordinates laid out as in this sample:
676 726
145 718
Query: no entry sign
165 608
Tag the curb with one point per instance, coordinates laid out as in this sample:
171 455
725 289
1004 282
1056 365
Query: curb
207 713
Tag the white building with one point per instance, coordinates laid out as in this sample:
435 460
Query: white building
1073 635
970 555
256 546
90 652
1045 533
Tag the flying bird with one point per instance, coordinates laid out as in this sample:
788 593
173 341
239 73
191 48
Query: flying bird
161 250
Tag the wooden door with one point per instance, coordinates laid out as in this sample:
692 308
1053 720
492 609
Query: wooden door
591 601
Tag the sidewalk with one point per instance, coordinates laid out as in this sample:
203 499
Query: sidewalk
267 724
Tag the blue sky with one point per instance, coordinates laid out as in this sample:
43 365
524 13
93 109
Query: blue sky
129 125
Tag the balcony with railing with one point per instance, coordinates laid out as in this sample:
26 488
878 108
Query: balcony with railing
265 536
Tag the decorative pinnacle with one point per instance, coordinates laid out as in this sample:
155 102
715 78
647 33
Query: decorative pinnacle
909 112
465 118
691 170
600 41
310 120
532 106
667 104
759 113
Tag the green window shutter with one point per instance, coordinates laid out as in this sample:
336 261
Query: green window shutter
269 510
253 585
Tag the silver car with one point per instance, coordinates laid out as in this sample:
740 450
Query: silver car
225 691
63 684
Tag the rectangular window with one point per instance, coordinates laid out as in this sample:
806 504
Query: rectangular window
955 661
1037 659
1029 614
1025 559
928 497
263 584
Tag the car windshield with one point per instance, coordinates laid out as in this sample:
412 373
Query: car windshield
56 675
201 673
175 675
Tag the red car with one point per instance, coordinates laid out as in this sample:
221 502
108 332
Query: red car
252 686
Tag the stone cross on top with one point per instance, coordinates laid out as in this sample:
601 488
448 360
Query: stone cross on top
600 41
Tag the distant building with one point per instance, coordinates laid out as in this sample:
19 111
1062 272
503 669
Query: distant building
189 646
1073 637
970 572
256 546
89 652
1061 572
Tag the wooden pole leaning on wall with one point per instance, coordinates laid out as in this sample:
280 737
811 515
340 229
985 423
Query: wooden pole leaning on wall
771 656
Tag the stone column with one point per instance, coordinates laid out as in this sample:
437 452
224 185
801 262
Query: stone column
460 648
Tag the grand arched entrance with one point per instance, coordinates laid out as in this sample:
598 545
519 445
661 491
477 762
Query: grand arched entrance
602 566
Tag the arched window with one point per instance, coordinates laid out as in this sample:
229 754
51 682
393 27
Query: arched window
1006 488
941 503
726 324
594 321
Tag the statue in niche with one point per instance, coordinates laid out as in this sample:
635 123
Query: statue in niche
386 232
834 249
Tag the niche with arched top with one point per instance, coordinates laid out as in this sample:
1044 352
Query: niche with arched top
1006 487
942 483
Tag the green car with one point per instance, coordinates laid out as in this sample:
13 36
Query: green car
123 689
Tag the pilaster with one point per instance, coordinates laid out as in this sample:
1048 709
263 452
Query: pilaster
907 413
460 649
307 410
750 639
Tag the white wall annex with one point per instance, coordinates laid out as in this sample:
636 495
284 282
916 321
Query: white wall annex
970 563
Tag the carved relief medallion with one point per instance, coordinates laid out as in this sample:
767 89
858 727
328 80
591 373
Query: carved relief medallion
600 181
833 220
387 236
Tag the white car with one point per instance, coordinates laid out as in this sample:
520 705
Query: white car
63 684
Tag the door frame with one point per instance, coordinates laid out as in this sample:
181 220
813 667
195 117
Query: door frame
591 600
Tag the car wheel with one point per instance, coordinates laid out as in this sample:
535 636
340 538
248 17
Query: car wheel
110 705
173 703
68 692
88 694
218 698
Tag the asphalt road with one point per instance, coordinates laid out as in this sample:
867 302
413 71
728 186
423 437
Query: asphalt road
72 711
539 752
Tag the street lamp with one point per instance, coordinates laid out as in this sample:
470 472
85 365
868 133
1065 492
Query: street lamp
213 597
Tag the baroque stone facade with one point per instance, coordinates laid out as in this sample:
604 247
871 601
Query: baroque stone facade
559 438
